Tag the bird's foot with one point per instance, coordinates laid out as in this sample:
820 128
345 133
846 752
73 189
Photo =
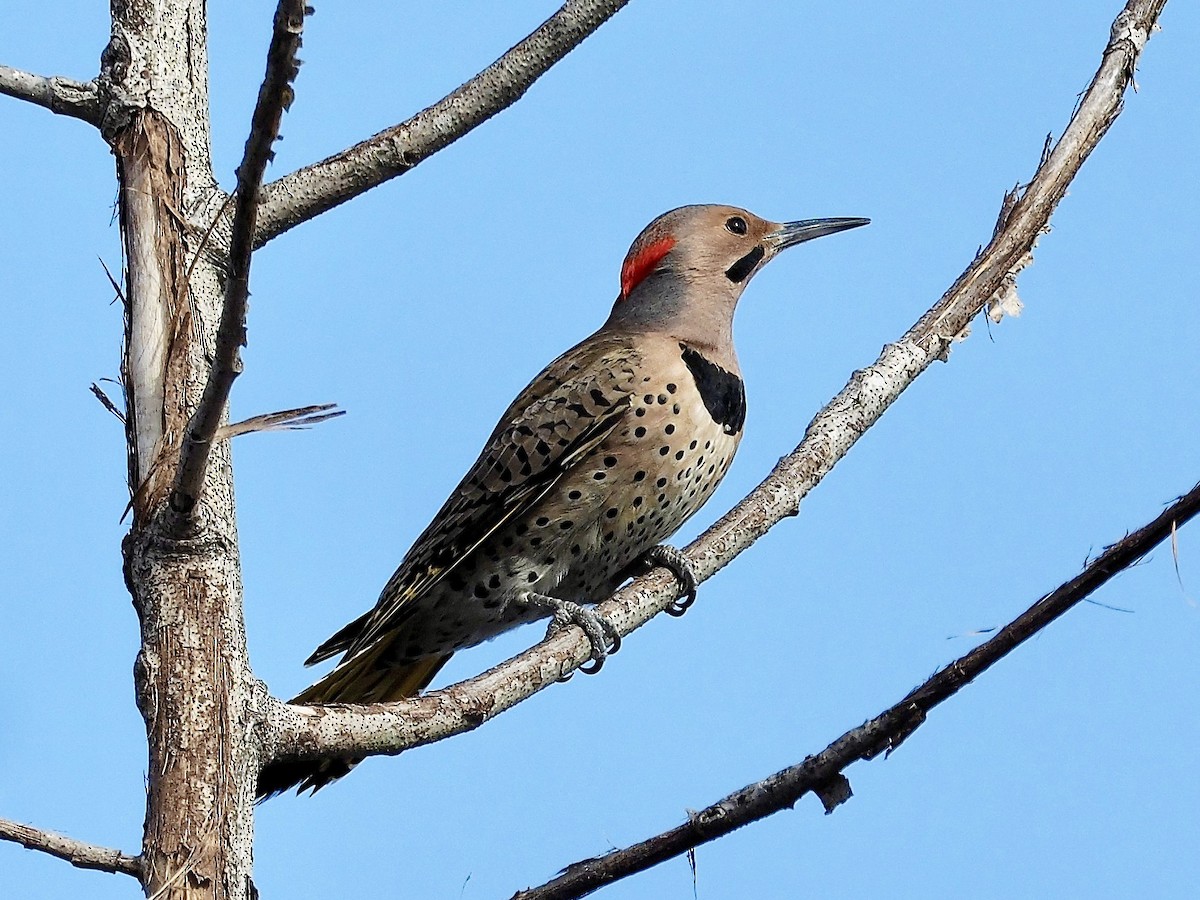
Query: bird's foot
681 567
603 635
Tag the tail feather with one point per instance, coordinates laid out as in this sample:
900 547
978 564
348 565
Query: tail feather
358 680
341 641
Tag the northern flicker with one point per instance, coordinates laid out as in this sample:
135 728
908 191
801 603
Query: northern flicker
606 453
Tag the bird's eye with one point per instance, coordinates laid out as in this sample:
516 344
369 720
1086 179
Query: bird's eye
736 225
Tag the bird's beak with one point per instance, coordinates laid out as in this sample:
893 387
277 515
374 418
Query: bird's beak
791 233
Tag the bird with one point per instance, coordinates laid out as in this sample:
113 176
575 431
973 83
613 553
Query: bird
602 457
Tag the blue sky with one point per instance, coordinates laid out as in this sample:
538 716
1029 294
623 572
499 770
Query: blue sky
1068 771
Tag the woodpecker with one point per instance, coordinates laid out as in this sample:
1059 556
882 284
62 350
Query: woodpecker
606 453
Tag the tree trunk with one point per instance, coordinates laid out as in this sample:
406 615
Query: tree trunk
193 681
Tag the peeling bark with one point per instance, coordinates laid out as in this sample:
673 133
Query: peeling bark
157 316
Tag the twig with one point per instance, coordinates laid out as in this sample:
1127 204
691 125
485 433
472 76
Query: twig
298 732
107 403
59 95
77 853
310 191
287 420
884 733
274 97
119 294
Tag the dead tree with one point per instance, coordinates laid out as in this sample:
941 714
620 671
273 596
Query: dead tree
187 248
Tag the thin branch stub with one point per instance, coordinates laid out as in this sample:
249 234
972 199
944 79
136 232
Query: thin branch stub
299 419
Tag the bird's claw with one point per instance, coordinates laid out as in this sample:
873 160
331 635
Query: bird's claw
681 567
601 634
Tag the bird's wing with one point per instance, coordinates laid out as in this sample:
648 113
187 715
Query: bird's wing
553 425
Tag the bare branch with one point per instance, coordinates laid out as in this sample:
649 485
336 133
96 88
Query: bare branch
274 96
822 774
77 853
59 95
310 191
287 420
355 731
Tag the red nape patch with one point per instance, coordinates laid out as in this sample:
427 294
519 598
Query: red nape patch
641 263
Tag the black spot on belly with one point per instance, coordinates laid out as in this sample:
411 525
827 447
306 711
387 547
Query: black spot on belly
723 393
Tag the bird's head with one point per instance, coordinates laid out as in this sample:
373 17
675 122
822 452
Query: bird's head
687 269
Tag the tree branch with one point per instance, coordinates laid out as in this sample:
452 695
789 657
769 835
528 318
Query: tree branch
310 191
300 419
274 96
297 732
59 95
822 774
77 853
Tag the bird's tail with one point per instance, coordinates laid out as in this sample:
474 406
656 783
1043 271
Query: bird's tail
358 680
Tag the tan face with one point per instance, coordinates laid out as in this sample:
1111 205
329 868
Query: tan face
722 246
686 271
699 241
